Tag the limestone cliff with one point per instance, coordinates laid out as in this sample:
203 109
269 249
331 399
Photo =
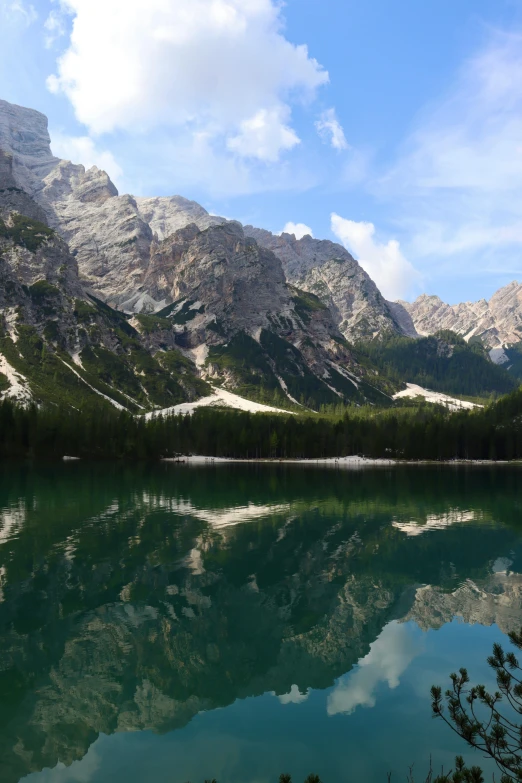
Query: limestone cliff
498 323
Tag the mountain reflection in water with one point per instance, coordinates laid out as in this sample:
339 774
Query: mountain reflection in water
136 599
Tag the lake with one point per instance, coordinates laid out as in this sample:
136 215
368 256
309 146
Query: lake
174 623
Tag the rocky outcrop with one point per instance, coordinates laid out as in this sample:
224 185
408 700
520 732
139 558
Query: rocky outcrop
167 215
114 236
62 346
211 290
498 323
327 270
25 137
232 307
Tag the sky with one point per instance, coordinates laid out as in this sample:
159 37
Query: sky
392 128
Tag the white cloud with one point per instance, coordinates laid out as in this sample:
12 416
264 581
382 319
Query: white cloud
264 136
54 27
395 277
218 67
330 130
299 230
19 11
389 657
82 149
458 179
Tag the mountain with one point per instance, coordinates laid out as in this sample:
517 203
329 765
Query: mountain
442 362
497 323
114 237
273 318
203 301
60 345
327 270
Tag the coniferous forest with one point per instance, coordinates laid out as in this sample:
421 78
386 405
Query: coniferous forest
417 432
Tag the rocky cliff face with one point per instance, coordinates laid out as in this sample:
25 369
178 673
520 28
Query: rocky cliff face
193 281
327 270
60 345
498 323
232 308
113 236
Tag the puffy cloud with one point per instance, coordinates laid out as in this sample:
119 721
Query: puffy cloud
330 130
299 230
19 11
219 67
389 657
389 269
82 149
264 136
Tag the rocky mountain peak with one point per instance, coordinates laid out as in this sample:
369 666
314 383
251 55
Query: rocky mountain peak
114 236
168 214
25 136
68 180
207 300
497 322
327 270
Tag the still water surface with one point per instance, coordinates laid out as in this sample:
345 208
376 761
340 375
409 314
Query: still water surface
172 623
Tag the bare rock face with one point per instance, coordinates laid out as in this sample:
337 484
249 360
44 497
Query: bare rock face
12 197
498 323
403 319
327 270
165 216
229 273
213 286
230 305
24 136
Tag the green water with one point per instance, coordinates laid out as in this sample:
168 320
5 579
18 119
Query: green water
171 623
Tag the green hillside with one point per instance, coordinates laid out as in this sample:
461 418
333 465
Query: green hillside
443 362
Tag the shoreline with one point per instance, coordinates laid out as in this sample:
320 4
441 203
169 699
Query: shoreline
335 462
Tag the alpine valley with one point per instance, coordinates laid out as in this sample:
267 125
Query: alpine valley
148 303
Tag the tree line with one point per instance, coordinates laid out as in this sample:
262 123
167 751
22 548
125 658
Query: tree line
417 432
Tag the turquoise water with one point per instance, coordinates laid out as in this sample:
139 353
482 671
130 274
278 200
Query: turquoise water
172 623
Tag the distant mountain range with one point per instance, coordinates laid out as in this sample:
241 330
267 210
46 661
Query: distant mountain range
142 302
497 323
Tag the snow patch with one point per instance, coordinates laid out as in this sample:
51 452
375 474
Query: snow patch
19 389
285 389
345 374
99 393
333 462
220 398
452 403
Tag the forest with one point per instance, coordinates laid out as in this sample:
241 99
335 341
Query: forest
416 432
443 362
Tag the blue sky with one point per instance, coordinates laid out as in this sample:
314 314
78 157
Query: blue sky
394 128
